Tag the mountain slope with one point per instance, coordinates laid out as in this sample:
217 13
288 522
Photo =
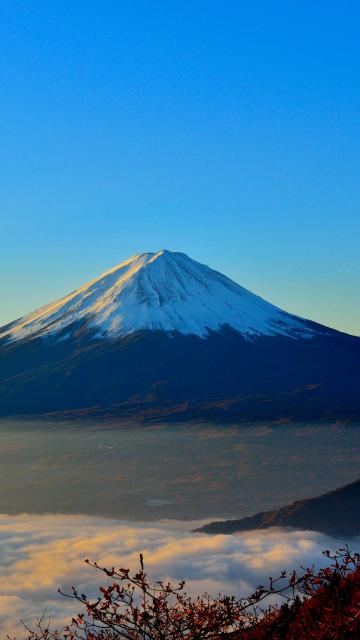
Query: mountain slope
161 336
334 513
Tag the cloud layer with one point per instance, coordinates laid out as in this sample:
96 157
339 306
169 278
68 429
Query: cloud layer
40 553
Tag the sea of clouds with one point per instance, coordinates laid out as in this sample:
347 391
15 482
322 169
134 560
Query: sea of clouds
38 554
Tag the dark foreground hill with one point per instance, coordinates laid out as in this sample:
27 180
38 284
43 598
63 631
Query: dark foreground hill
335 513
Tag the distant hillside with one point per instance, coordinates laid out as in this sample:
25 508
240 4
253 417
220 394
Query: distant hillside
335 513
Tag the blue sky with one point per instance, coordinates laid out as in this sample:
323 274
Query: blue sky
226 130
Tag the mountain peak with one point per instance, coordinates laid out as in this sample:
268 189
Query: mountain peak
166 291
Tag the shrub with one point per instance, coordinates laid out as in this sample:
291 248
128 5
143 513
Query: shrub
317 605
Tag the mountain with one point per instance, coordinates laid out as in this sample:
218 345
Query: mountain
161 335
162 291
334 513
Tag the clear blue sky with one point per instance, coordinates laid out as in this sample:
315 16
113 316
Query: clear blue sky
227 130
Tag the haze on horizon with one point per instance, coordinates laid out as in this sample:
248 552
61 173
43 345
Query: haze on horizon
228 133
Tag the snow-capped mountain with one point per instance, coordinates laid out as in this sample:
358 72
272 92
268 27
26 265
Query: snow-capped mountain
165 291
161 336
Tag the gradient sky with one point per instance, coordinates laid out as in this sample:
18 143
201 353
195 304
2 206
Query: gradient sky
227 130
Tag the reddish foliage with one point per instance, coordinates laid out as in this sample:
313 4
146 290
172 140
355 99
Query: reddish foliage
323 605
331 611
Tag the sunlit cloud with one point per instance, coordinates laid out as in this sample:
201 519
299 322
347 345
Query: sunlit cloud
40 553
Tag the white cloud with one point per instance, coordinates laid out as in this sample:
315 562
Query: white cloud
40 553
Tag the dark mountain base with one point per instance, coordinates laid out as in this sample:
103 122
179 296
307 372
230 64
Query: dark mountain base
154 375
335 513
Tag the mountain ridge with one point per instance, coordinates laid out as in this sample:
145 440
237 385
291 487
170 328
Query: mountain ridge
335 512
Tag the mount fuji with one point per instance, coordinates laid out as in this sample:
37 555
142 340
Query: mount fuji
163 291
162 336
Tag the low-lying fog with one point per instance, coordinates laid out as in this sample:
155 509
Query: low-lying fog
170 471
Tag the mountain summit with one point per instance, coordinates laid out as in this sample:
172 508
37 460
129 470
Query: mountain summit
161 336
165 291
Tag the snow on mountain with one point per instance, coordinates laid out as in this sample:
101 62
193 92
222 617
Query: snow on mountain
165 291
